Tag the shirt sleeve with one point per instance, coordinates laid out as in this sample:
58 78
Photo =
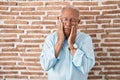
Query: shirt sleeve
84 57
47 58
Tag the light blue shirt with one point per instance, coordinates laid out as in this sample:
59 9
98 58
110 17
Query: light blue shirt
66 66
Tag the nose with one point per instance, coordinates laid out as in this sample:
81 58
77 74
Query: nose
68 23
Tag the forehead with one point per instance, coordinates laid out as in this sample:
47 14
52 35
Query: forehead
69 12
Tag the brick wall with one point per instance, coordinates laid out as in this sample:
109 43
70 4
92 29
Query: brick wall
25 24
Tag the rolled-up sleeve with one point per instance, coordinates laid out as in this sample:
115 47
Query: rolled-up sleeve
47 58
84 57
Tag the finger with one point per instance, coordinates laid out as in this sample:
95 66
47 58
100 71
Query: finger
61 25
72 30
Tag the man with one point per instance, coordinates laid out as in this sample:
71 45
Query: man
68 54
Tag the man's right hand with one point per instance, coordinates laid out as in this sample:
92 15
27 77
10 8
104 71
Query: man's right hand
61 35
60 40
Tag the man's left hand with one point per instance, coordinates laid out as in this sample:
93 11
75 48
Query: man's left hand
71 39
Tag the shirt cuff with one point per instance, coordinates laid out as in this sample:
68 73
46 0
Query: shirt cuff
77 58
52 50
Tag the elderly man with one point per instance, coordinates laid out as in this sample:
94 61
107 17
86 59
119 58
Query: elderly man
68 54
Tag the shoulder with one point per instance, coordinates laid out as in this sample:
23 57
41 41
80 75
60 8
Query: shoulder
51 36
81 36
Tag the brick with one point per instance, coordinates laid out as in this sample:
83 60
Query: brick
31 73
110 45
7 63
30 3
111 12
89 13
22 9
34 50
30 55
115 54
101 54
30 27
104 8
8 13
12 31
96 68
32 60
15 22
50 18
93 35
109 63
112 68
56 3
33 41
112 77
14 68
28 18
107 17
3 8
108 59
53 13
8 3
110 36
82 8
39 31
51 27
107 73
28 64
98 49
95 45
95 77
112 40
31 36
113 50
13 50
6 17
32 13
116 21
112 31
10 40
11 59
15 77
34 69
87 17
8 72
93 31
90 26
111 25
85 3
8 26
111 2
8 54
27 46
44 22
49 8
38 78
7 45
98 22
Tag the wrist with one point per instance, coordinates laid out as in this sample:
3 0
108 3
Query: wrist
71 47
74 46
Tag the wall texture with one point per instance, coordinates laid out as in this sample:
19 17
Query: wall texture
25 24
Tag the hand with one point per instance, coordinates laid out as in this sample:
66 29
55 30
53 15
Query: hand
61 35
60 40
71 39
